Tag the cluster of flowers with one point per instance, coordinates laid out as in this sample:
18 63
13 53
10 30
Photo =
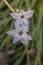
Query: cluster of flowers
21 26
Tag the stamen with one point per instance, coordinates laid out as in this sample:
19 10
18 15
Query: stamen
22 16
20 33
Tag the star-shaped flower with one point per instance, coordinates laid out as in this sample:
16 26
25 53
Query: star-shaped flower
20 35
23 15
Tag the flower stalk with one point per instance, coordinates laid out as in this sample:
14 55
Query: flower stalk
10 7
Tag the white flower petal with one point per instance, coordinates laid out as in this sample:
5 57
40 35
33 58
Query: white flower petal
26 25
29 13
24 41
11 32
28 37
21 24
22 12
17 23
15 15
25 29
16 39
26 22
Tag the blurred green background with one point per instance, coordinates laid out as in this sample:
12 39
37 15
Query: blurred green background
18 54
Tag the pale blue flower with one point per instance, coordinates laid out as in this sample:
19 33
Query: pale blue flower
22 18
20 35
22 14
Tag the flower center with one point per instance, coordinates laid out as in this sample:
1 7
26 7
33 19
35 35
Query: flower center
22 16
20 33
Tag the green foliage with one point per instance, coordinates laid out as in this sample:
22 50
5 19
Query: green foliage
21 53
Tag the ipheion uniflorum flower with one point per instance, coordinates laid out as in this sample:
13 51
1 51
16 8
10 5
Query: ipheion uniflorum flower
20 35
23 15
